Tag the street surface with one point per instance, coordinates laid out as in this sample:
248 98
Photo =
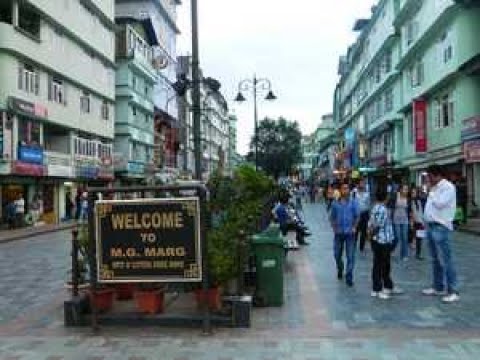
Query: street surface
322 318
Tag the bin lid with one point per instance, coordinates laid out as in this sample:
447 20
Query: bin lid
272 230
261 239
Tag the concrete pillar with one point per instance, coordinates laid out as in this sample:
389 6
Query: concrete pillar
60 201
15 138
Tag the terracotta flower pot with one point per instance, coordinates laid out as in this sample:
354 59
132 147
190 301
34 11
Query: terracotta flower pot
124 291
150 301
103 299
211 297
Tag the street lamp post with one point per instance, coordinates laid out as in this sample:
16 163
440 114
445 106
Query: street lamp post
255 85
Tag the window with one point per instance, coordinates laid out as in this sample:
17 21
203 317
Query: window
28 132
412 32
134 82
410 128
387 62
388 100
447 54
379 108
378 74
85 102
134 111
28 20
444 113
6 12
57 91
146 118
146 90
417 74
28 79
105 111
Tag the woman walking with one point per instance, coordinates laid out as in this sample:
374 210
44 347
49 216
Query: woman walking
400 209
382 238
417 204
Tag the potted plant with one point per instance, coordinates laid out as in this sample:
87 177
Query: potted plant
104 296
150 298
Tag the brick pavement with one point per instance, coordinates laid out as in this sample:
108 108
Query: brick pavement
321 319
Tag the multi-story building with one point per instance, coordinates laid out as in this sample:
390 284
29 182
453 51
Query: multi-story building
407 88
135 79
57 94
232 143
162 14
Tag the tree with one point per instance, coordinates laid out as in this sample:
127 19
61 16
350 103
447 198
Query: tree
279 146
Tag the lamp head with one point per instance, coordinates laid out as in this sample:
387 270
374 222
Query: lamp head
240 97
270 96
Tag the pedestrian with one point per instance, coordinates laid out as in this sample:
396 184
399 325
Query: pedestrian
297 194
11 212
400 211
19 211
78 204
439 215
35 209
364 203
68 206
381 233
344 217
84 206
417 204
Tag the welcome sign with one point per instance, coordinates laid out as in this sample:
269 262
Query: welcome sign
148 240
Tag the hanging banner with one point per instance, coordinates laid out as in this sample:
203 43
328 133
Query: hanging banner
420 124
148 240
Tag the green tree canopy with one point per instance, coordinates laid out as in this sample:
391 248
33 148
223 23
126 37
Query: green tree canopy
279 146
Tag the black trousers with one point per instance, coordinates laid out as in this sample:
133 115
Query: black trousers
362 229
381 277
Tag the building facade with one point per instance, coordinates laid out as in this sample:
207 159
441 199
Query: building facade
134 126
167 137
57 95
407 88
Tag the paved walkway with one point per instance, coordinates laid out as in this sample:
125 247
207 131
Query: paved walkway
321 319
32 231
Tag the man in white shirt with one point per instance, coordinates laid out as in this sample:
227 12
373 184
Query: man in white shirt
439 215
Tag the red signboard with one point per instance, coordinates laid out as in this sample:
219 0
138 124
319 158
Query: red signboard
22 168
471 151
420 123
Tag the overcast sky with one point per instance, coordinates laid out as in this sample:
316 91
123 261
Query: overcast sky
295 44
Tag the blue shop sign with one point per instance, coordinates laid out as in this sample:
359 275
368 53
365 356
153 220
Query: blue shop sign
135 167
87 172
30 155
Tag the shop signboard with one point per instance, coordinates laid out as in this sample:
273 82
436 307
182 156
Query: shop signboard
420 121
471 128
148 240
28 108
30 155
87 172
471 151
135 167
59 170
22 168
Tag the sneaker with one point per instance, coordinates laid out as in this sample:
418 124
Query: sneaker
340 274
383 295
450 298
374 293
432 292
394 291
349 283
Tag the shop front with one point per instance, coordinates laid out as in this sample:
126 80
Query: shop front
471 153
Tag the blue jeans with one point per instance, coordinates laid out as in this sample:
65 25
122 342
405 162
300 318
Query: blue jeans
347 241
401 237
439 239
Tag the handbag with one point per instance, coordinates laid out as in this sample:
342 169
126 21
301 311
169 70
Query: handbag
420 231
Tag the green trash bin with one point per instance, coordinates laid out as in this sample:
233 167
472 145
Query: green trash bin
269 257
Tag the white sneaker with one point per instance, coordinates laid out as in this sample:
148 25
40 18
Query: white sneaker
383 295
394 291
450 298
432 292
374 294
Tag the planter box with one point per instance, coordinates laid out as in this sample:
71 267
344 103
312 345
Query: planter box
103 299
211 297
124 291
150 301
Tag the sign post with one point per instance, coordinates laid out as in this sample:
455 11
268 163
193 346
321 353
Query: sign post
148 240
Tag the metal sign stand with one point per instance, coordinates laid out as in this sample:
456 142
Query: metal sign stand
201 192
